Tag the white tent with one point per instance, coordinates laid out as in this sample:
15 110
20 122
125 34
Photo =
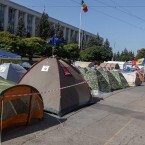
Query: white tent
121 64
132 78
83 64
11 71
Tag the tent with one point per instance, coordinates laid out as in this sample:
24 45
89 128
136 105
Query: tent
111 80
62 86
8 55
19 104
4 84
121 79
11 71
96 80
26 65
132 78
122 65
83 64
103 64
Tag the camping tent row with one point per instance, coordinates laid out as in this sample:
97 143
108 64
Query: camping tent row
19 104
104 81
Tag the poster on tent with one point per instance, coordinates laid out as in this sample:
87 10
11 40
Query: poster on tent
45 68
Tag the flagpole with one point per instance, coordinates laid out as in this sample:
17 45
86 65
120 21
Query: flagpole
80 29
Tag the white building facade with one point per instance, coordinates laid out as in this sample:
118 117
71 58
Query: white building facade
10 13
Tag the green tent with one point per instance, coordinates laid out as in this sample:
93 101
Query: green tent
111 80
4 84
121 79
95 80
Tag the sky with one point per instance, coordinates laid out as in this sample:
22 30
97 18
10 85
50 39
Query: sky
122 22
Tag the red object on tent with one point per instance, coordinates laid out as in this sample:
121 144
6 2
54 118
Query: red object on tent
134 62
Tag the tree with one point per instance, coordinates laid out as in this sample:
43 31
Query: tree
34 45
21 30
140 53
95 41
72 51
107 44
59 32
43 29
96 53
12 43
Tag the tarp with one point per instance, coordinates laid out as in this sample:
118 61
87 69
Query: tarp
8 55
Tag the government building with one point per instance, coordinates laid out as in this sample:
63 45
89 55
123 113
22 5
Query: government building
10 13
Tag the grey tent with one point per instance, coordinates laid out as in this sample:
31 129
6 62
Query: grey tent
62 87
11 71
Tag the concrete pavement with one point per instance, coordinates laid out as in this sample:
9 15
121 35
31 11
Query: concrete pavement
116 119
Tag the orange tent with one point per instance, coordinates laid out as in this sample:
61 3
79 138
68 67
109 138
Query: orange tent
19 104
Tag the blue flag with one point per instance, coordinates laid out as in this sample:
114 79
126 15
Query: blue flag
55 40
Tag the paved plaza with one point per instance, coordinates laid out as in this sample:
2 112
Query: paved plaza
117 118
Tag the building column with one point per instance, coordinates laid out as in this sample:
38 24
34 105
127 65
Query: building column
64 33
6 13
25 20
69 35
77 36
33 25
16 19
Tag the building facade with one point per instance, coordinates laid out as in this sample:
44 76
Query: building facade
10 13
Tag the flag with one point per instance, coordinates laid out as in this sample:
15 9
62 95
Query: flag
54 40
141 61
84 6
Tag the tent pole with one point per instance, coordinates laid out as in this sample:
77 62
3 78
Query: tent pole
2 105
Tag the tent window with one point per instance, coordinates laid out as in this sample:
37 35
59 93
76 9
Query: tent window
66 71
21 106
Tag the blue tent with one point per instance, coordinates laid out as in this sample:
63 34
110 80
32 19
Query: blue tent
8 55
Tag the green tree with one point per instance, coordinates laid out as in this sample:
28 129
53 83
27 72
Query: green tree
96 53
12 43
95 41
21 30
43 28
107 44
140 53
72 51
34 45
59 32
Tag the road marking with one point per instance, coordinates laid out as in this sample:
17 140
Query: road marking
118 132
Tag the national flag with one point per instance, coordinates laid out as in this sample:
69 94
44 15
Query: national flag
141 61
134 62
84 6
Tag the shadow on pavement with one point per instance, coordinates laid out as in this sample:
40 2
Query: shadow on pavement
37 125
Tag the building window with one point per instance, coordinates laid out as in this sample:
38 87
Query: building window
29 25
21 14
11 20
1 17
37 21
